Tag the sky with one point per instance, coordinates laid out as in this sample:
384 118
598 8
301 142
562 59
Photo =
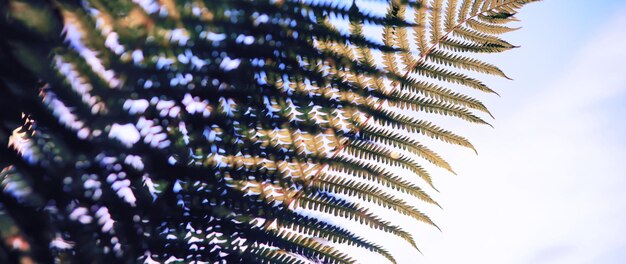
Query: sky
548 183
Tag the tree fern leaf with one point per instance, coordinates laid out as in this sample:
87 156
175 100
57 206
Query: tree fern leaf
420 29
366 58
337 207
412 90
379 175
369 150
268 255
480 38
436 21
453 77
407 143
463 46
402 41
365 16
450 15
192 130
371 194
312 247
316 228
476 7
496 19
389 58
487 5
466 63
464 10
489 28
437 107
425 128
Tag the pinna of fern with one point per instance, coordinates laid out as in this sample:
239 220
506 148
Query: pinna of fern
229 131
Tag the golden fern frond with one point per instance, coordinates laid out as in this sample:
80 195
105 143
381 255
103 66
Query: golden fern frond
451 76
489 28
316 228
464 46
366 58
314 248
418 89
465 63
270 255
379 153
477 37
402 39
463 11
369 193
420 28
379 175
335 206
476 6
437 107
388 136
389 58
450 15
435 21
231 130
426 128
496 19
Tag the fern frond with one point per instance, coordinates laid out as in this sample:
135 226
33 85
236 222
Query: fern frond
420 29
425 128
312 248
316 228
435 21
477 37
463 11
466 63
437 107
389 58
415 91
402 39
367 150
371 172
407 143
269 255
478 6
450 15
464 46
337 207
496 18
183 130
489 28
453 77
369 193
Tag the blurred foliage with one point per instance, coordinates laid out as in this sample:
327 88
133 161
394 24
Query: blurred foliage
228 130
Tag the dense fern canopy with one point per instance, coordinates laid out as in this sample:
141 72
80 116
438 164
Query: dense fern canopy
229 130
